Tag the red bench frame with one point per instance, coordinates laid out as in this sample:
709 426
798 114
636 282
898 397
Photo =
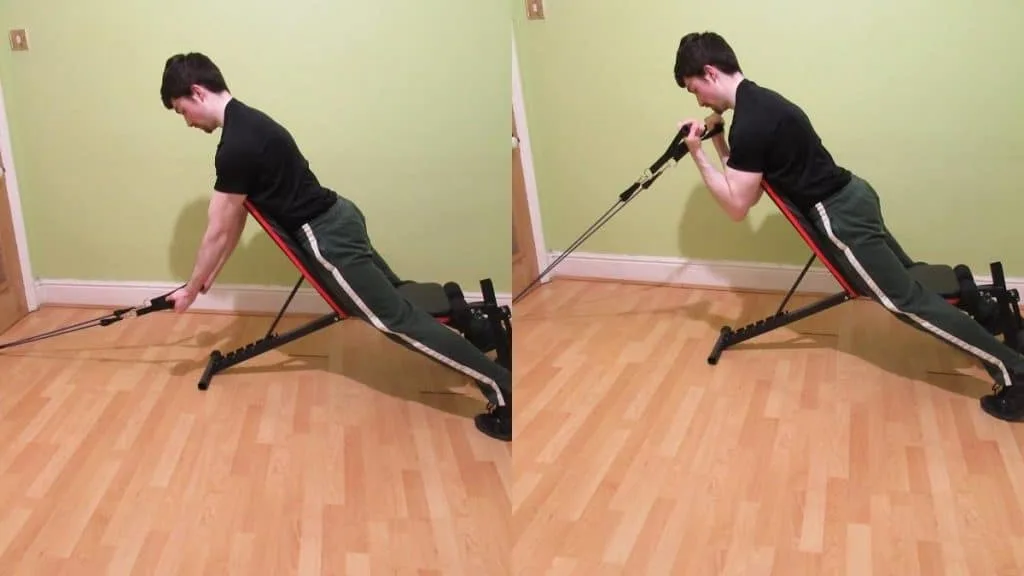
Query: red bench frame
219 361
937 277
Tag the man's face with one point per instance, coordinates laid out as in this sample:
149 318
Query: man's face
194 112
707 93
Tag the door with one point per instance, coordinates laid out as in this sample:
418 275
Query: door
524 253
13 306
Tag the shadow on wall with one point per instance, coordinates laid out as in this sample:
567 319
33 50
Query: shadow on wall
707 233
256 260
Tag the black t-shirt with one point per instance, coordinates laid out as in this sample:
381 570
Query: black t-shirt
258 157
771 135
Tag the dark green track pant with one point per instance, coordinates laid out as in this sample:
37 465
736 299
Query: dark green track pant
338 241
852 225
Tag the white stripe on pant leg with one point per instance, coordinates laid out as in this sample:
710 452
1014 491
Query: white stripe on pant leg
892 307
377 323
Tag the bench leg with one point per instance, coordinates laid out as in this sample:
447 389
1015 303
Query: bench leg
219 361
728 337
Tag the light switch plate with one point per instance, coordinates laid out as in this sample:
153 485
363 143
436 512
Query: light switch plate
535 9
19 40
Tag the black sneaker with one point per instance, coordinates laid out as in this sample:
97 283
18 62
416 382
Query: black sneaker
496 422
1006 403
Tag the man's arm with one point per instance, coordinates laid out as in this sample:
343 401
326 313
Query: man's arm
736 191
237 229
719 139
721 147
226 221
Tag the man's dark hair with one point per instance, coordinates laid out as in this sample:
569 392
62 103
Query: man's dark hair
700 49
182 71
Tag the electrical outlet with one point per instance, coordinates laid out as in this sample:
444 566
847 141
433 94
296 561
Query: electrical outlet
19 40
535 9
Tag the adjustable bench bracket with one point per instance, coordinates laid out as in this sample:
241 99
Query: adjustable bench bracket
728 337
1007 321
486 324
499 318
219 361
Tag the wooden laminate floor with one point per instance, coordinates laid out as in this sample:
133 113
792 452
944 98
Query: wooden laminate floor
846 444
341 453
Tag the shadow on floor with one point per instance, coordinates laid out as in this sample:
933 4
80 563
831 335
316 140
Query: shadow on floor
861 329
350 349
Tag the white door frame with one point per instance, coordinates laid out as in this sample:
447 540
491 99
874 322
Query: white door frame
526 154
17 216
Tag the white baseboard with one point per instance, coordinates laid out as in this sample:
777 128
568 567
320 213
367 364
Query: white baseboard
711 274
653 269
231 298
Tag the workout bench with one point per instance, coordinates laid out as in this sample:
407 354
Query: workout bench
992 305
486 324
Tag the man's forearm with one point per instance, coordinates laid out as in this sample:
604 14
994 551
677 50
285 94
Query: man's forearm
217 244
233 237
722 148
232 242
717 183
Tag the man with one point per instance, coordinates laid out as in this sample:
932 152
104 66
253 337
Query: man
771 139
258 160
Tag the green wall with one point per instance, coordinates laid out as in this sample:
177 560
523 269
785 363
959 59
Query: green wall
921 98
402 106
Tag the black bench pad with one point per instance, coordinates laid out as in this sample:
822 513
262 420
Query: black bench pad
939 278
429 296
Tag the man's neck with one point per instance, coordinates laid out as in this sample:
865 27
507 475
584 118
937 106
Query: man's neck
731 83
219 102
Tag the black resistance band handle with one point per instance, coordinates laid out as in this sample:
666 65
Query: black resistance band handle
154 305
678 147
157 304
676 150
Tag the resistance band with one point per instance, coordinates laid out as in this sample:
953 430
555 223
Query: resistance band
154 305
676 150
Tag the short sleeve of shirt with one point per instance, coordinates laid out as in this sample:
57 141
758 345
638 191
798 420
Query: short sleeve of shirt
233 170
748 146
